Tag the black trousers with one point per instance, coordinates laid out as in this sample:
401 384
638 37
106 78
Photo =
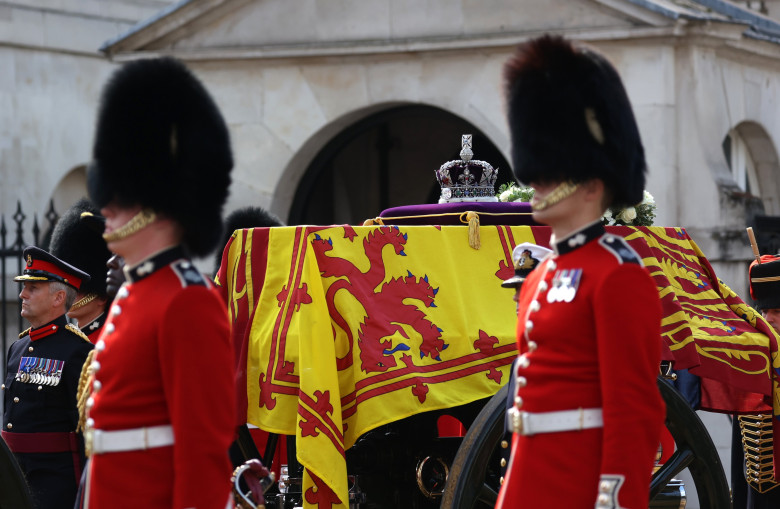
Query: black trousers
51 477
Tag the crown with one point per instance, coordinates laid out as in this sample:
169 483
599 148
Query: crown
467 179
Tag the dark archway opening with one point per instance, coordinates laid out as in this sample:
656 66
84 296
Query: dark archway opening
386 160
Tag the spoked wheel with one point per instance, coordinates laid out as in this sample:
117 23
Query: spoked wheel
474 477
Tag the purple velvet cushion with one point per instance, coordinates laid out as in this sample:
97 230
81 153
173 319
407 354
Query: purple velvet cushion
490 213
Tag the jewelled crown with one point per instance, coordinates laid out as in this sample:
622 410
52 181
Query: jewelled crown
467 179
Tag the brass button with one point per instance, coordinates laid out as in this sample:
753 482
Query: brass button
109 328
535 306
30 349
503 462
40 387
518 402
16 399
551 266
9 425
532 346
523 361
100 346
529 326
96 386
116 310
504 444
543 286
2 387
521 381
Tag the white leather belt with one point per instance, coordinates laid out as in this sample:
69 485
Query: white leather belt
100 441
525 423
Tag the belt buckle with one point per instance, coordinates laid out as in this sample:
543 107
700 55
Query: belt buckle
516 418
88 441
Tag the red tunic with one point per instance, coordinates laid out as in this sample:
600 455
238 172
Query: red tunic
164 358
600 350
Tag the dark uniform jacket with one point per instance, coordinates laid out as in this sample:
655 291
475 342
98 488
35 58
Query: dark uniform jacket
39 397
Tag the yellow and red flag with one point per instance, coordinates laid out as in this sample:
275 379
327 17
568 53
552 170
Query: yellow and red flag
355 327
342 329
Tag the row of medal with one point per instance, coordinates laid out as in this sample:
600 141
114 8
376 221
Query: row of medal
37 370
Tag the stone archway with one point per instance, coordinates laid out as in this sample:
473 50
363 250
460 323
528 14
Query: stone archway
384 160
765 164
70 189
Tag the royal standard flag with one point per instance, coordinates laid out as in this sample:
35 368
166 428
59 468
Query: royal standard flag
355 327
342 329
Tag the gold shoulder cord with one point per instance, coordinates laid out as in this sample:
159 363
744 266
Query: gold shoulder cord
75 330
84 390
757 442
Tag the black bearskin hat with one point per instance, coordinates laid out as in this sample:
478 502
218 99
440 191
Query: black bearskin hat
765 282
161 142
78 243
246 217
570 119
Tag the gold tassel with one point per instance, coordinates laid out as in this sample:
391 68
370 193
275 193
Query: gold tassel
374 222
473 219
84 390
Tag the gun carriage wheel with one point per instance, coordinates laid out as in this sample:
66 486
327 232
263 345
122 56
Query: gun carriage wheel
14 493
474 476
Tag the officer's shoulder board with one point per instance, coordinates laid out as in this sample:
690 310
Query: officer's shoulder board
619 248
75 330
188 274
25 332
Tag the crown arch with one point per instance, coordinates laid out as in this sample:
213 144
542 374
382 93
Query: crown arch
385 158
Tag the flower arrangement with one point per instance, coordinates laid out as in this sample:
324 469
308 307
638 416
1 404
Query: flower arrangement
641 214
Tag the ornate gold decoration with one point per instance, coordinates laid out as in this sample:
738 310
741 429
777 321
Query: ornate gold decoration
83 301
561 191
138 222
757 443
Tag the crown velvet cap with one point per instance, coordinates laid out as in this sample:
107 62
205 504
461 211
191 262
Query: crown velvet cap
161 143
44 267
570 119
525 258
77 241
765 282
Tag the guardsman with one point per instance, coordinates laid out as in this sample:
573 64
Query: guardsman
162 412
753 479
587 414
41 378
76 241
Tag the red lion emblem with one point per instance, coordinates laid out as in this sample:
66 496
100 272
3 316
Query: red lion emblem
389 308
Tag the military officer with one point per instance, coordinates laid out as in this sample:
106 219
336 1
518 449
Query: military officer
76 240
587 414
41 378
753 479
162 411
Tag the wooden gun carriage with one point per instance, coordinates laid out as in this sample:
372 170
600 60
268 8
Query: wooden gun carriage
360 343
